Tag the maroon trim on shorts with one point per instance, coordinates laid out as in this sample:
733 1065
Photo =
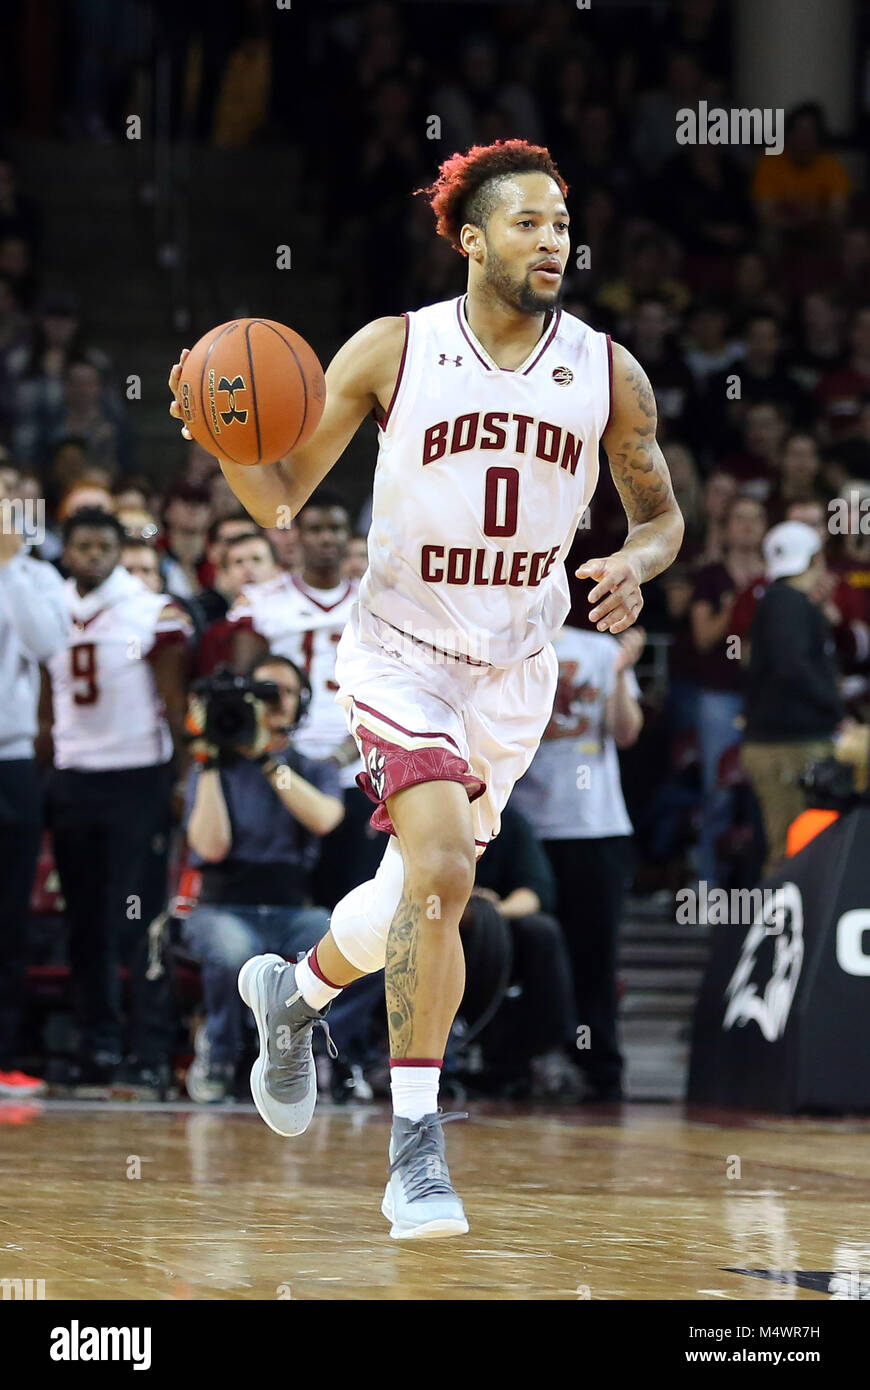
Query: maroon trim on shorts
427 733
390 769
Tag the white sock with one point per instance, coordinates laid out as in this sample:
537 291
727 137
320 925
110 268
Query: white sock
315 993
414 1091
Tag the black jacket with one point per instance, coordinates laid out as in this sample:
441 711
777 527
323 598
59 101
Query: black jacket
792 694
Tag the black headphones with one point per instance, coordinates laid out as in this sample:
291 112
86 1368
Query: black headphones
305 692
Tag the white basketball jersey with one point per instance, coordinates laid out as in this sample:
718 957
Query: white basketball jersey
305 624
482 478
107 712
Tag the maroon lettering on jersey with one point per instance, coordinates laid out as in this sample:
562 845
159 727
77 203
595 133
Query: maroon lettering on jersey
548 441
497 437
458 564
550 559
570 452
464 433
435 442
518 564
523 422
428 554
498 574
535 563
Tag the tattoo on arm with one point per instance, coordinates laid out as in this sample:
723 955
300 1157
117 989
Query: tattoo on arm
401 975
641 476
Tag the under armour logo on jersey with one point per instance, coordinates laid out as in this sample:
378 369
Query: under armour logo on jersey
563 376
444 358
231 387
376 764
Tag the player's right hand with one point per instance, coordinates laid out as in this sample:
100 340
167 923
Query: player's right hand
174 378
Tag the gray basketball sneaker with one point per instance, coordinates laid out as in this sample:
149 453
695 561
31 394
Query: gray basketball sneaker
419 1199
283 1078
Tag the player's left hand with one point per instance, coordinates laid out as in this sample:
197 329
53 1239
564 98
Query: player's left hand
616 597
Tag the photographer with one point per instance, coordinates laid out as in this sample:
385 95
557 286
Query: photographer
256 809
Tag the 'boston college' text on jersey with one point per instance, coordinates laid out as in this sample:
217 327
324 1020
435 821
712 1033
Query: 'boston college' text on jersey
482 478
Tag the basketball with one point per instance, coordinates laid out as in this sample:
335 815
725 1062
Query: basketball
251 391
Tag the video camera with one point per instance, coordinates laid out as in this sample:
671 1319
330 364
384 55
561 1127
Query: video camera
231 708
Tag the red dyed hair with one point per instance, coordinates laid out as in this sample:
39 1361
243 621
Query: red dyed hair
453 197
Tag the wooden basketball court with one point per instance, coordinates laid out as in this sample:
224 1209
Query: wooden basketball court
632 1202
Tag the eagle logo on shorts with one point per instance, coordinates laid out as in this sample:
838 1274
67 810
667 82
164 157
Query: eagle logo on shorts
563 376
376 764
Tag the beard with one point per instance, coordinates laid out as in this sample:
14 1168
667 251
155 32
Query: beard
500 284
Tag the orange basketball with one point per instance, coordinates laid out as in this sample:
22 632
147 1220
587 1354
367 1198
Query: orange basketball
251 391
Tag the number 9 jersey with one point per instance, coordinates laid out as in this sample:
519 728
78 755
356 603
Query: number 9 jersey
482 478
107 712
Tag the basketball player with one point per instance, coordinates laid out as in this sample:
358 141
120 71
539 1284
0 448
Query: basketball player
117 690
491 408
302 616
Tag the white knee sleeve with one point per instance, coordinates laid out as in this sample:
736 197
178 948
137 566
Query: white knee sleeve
361 921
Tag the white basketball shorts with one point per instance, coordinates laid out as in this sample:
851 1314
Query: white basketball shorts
419 715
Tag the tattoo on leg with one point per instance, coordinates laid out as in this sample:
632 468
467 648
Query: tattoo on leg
401 975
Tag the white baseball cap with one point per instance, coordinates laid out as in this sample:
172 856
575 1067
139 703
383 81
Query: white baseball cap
789 548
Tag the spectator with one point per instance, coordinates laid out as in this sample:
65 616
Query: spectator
186 516
302 617
755 465
762 376
805 188
720 490
33 626
793 706
708 349
133 493
719 587
650 339
842 392
247 559
646 277
753 290
820 339
702 200
108 795
573 798
254 819
285 542
799 476
140 559
687 490
527 997
356 558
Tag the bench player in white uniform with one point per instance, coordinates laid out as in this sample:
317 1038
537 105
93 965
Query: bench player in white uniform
302 616
112 687
491 408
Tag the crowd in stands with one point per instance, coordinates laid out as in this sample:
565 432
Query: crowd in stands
740 280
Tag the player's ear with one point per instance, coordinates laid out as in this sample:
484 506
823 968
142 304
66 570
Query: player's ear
471 240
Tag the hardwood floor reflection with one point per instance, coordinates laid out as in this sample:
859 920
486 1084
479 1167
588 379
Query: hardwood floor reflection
140 1203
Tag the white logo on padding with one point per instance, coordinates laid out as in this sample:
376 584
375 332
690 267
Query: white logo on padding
376 765
769 1006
